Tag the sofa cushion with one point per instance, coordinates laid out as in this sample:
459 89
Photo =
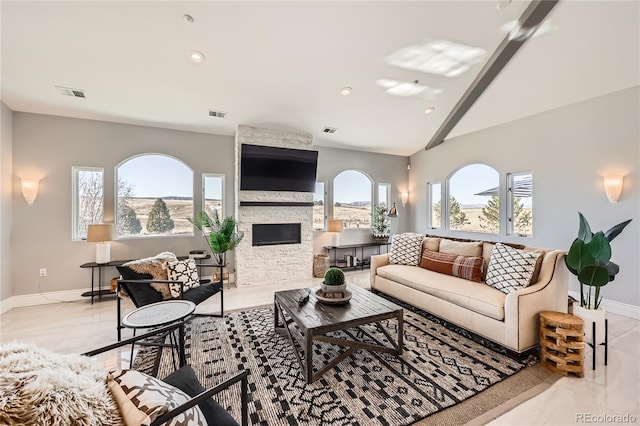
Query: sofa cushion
511 269
406 249
185 271
460 248
469 268
143 398
431 243
474 296
185 379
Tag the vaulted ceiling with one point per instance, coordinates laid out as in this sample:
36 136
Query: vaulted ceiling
283 64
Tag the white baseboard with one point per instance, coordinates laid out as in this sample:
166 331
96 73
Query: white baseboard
42 299
614 307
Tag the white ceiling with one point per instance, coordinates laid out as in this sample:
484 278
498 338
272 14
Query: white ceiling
282 64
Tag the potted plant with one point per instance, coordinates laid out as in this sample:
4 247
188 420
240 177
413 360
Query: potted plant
589 260
221 236
333 281
380 224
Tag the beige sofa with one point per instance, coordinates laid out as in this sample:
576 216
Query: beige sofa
511 320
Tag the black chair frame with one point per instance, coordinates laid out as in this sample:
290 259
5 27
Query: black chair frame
241 377
220 285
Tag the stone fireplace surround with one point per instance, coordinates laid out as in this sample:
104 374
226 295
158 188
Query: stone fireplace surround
259 265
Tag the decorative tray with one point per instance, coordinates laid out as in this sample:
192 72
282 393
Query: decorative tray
333 298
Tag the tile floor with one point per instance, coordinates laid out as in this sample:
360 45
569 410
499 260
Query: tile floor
597 398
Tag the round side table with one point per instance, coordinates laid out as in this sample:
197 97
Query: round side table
157 315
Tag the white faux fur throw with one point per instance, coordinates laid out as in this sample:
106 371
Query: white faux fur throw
39 387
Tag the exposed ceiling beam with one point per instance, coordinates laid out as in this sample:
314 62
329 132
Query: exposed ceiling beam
532 17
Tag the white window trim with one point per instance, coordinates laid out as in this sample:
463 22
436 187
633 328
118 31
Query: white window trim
388 200
324 205
510 223
372 194
222 194
430 224
75 170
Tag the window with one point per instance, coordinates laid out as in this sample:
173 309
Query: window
352 193
87 200
319 208
154 197
384 190
213 194
520 205
434 205
474 199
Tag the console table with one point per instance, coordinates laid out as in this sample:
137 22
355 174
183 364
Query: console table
102 292
353 249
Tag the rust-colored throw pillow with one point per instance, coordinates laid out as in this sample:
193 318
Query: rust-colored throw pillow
469 268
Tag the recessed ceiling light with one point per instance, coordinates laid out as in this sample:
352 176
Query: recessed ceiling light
187 18
429 110
196 56
503 4
346 91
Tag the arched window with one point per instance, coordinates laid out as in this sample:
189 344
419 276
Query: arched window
154 196
352 199
474 199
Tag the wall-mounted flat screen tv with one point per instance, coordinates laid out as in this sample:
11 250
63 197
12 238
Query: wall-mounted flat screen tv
268 168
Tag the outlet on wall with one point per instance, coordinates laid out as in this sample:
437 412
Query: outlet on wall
43 272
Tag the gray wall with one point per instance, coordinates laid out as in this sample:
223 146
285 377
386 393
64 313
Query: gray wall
6 122
568 150
48 146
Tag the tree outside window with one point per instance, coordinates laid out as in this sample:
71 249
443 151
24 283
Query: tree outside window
474 199
88 199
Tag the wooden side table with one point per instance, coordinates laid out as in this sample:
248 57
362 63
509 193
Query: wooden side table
562 343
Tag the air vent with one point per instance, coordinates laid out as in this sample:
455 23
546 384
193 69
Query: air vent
219 114
67 91
329 130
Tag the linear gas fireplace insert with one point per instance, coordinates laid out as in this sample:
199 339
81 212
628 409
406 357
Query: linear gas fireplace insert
269 234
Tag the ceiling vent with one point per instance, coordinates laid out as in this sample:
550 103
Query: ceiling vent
67 91
329 130
219 114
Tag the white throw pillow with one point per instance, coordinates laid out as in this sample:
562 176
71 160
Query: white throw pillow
406 249
511 269
185 271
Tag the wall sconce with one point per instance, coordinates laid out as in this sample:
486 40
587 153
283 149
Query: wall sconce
405 198
30 189
613 187
335 227
101 234
394 211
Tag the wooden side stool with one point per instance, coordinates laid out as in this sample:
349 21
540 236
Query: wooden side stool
562 343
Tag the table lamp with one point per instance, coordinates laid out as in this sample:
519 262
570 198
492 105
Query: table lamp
101 234
335 227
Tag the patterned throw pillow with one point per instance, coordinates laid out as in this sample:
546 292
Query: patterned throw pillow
469 268
511 269
185 271
406 249
143 398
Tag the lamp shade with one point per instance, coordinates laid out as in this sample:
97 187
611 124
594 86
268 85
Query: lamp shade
335 226
30 189
613 187
100 232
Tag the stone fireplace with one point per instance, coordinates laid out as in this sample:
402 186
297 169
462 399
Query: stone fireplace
277 225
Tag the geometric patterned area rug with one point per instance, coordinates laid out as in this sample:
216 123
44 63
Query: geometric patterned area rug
438 369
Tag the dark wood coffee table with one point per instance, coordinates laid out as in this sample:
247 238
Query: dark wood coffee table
315 320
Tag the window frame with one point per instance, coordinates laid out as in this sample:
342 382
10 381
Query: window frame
75 198
372 197
222 192
430 192
388 200
325 210
116 198
511 230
